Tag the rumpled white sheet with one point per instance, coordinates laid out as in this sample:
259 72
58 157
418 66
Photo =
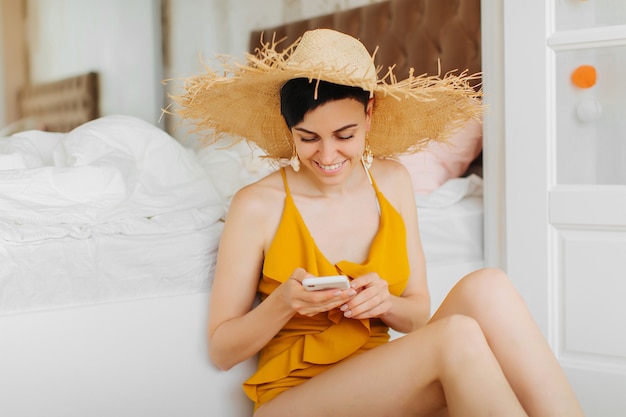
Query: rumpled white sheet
115 209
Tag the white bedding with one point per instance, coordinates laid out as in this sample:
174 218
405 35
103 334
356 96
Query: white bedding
118 210
114 210
451 222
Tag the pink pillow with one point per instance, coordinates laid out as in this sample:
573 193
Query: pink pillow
440 162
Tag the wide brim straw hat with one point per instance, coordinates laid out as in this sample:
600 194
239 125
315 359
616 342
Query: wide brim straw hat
243 100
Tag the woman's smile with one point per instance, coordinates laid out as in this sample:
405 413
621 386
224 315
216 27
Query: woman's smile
330 168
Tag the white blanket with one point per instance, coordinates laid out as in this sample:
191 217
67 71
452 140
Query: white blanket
115 209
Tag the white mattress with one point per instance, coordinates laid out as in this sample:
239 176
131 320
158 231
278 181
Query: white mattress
146 358
451 222
62 272
118 210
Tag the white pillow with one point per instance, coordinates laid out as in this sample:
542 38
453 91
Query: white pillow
160 175
19 152
232 166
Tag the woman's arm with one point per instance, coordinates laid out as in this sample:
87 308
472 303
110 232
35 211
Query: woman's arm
236 331
412 309
415 301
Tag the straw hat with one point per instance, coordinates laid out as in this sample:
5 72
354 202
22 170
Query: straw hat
243 101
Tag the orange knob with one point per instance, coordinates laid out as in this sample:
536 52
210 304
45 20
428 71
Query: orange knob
584 76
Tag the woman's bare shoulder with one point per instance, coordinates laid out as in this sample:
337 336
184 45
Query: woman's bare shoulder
390 175
394 181
260 197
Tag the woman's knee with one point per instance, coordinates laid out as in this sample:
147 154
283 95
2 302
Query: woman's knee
459 327
461 340
488 276
460 335
486 282
452 332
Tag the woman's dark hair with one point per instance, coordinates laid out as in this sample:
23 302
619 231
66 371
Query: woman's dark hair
297 97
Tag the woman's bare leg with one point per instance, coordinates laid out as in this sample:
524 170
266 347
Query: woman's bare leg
447 362
530 367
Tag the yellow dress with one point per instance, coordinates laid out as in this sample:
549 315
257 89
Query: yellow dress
306 346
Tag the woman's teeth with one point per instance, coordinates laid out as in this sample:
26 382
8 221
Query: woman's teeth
330 167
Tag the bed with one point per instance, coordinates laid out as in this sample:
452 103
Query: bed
106 257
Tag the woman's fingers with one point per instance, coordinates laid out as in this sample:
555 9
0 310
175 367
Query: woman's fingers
309 303
373 298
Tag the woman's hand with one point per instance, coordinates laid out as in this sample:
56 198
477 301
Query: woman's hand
310 303
372 300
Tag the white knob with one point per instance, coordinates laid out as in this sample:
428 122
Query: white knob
589 111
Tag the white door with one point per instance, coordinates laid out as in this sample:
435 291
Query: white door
565 176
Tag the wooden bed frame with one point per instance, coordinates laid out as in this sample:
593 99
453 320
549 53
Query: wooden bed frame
60 106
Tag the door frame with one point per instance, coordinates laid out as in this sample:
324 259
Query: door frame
492 40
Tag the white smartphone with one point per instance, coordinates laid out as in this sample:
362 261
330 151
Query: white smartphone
323 283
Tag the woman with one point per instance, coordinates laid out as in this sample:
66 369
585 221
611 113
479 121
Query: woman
335 209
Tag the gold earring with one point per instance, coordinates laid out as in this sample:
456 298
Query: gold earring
367 156
294 161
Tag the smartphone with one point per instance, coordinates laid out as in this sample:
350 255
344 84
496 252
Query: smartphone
323 283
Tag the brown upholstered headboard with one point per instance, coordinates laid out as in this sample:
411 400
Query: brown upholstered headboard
409 33
60 106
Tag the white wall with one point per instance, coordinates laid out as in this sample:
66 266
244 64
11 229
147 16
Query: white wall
119 39
202 29
223 26
2 92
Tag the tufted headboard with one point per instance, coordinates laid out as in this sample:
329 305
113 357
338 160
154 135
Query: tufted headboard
409 33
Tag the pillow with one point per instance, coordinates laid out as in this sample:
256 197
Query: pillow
232 165
15 156
159 174
21 152
440 162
